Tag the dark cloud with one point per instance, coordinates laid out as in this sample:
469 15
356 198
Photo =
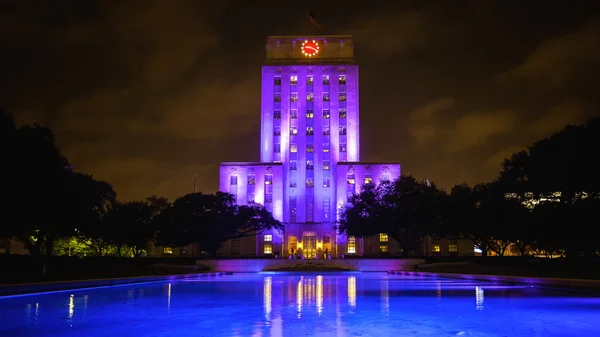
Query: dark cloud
147 94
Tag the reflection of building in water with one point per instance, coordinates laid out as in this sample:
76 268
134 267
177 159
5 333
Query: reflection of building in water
319 294
71 306
169 297
479 298
267 296
352 291
385 296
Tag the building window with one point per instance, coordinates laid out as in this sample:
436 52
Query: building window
167 250
452 248
277 131
342 130
293 130
309 165
350 179
293 182
435 245
294 97
386 177
277 98
325 79
277 80
342 79
293 165
325 97
342 97
326 131
351 245
368 179
326 209
310 131
293 80
268 179
268 238
310 80
233 180
293 148
310 148
383 237
342 113
326 147
251 179
310 215
268 198
310 182
310 114
277 148
310 97
342 147
326 164
277 114
250 198
383 248
293 202
326 113
294 113
268 248
326 182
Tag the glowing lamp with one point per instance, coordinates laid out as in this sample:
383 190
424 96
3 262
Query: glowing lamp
310 48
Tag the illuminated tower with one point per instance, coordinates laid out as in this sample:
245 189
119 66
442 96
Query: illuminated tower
310 154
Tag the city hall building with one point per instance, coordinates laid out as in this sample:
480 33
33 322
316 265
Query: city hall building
309 151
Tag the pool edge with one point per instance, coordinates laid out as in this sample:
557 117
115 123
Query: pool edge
40 287
528 280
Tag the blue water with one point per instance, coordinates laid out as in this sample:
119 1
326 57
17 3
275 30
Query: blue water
311 304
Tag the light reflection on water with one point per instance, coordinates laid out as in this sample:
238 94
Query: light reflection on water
284 304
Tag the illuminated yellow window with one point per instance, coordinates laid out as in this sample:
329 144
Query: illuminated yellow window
293 148
453 248
368 180
383 237
351 245
167 250
268 248
435 248
383 248
268 237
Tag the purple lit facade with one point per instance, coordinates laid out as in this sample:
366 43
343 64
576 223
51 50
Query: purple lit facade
310 151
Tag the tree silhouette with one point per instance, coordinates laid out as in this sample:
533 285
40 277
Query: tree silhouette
210 219
405 210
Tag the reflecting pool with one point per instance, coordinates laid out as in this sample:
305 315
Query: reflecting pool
307 304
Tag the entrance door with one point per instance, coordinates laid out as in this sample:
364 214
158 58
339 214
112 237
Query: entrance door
309 246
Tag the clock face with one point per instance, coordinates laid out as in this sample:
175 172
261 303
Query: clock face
310 48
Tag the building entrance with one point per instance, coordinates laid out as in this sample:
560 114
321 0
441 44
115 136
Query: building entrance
309 245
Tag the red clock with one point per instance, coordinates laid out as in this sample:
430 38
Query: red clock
310 48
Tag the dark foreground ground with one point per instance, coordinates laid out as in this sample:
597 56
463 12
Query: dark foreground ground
26 269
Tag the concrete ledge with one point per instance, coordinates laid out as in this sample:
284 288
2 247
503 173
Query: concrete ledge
537 281
258 265
31 288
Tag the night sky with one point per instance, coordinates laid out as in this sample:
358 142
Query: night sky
145 94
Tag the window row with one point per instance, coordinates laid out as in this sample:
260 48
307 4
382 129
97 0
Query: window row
310 97
309 113
310 147
310 131
310 80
